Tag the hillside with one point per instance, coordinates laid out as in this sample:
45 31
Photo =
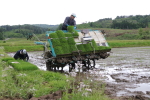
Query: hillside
120 22
51 27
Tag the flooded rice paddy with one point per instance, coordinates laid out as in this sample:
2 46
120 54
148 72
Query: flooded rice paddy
126 71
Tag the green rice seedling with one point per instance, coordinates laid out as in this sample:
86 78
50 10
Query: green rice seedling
53 35
22 65
104 48
66 48
8 58
60 34
94 44
63 40
56 42
58 50
70 29
75 34
81 47
73 48
88 47
71 41
68 34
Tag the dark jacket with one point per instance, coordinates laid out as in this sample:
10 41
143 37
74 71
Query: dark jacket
18 55
68 21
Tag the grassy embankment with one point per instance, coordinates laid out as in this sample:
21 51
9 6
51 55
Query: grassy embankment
28 81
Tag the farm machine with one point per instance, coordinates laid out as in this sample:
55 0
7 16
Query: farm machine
74 47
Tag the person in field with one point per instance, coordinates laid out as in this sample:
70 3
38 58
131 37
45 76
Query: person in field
69 21
21 54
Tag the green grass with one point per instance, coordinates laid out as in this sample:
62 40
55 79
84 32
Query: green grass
128 43
22 84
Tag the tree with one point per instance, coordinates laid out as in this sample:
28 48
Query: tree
1 34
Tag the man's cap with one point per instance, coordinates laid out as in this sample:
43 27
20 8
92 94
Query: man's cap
73 14
24 51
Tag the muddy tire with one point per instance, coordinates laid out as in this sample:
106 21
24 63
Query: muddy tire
48 66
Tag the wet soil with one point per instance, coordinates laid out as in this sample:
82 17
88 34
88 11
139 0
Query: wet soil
126 72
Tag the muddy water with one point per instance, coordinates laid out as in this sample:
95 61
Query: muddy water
126 72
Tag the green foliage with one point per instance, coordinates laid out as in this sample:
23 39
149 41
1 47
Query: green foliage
1 33
140 31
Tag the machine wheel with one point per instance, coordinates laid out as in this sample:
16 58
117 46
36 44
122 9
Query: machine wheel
48 66
91 64
71 66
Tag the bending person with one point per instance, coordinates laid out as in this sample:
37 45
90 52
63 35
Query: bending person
21 54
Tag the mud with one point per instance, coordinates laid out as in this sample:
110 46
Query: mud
126 72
